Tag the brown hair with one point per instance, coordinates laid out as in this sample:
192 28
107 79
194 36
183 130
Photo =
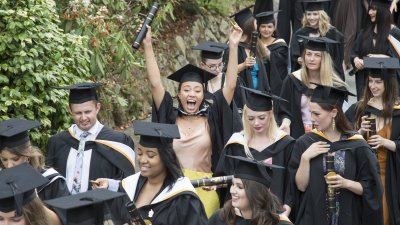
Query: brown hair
389 99
35 213
265 206
342 124
33 153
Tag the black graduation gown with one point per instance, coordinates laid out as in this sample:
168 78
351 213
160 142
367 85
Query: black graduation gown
55 188
335 50
360 52
245 75
181 207
360 165
292 89
105 162
223 121
276 67
279 151
216 220
392 177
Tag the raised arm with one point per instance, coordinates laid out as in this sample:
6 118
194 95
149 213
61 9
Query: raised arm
232 69
153 72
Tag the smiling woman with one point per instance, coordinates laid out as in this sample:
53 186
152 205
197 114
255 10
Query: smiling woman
204 126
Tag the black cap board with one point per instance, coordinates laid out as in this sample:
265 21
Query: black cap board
266 17
210 49
260 101
84 208
17 187
14 132
381 67
314 5
254 170
380 3
242 16
331 95
151 133
82 92
191 73
317 43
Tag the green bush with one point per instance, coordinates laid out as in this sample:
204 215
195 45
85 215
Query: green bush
35 55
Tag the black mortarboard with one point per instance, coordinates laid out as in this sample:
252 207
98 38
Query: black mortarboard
242 16
191 73
314 5
85 208
254 170
14 132
17 187
317 43
381 3
151 133
381 67
266 17
83 92
211 50
330 95
259 100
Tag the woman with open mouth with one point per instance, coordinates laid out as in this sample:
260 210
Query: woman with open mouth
204 126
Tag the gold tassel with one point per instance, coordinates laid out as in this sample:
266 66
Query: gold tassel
333 123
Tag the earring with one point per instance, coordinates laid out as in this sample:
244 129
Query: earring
333 123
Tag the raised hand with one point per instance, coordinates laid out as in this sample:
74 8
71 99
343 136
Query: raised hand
316 149
235 35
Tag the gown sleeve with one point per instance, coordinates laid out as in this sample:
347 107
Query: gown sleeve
186 210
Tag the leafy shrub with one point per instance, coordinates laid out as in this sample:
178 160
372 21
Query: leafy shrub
35 55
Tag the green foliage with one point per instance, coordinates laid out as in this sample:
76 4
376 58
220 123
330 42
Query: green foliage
36 56
219 7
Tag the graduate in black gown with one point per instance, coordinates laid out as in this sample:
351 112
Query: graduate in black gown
16 148
380 102
252 202
160 192
316 24
212 61
249 63
88 150
261 140
274 51
205 127
317 68
19 203
353 185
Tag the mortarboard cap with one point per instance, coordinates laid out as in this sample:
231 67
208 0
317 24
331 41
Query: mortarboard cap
259 100
191 73
151 133
17 187
83 92
266 17
381 67
251 169
211 50
330 95
14 132
242 16
379 3
83 208
314 5
317 43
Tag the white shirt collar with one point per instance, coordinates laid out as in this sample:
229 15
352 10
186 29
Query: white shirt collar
93 132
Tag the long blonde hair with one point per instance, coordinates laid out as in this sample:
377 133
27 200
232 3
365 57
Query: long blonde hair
35 213
327 73
324 23
272 129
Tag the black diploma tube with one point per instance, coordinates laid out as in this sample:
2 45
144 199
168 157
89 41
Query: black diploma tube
212 181
331 192
253 47
136 218
149 18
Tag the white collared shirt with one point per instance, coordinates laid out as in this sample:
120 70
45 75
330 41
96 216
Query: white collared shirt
93 132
